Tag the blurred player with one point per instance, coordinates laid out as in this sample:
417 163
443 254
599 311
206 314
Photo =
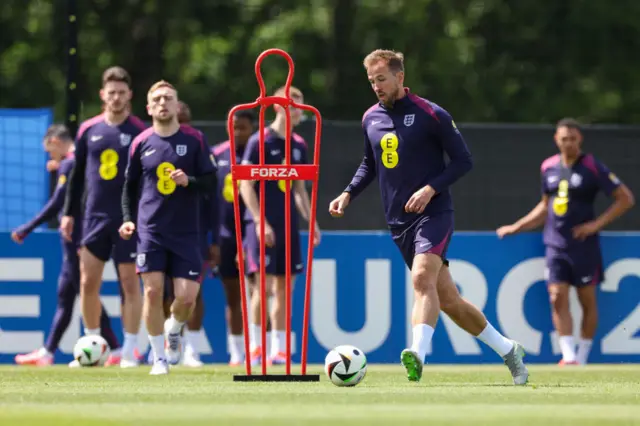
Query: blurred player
101 157
59 144
406 138
169 168
243 127
274 225
571 181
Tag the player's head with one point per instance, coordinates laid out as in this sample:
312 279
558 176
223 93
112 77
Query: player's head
296 95
162 102
57 141
243 122
568 137
116 90
184 113
385 70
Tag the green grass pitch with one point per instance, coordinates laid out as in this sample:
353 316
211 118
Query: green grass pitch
447 395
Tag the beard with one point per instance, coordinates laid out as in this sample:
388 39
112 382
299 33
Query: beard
391 98
164 120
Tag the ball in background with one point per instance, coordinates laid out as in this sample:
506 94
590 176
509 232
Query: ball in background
345 365
91 351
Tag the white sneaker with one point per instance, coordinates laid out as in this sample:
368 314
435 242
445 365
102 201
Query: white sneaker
513 360
159 367
74 364
191 359
173 345
129 363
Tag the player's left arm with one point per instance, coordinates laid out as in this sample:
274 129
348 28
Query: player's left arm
623 200
460 160
49 211
460 163
204 178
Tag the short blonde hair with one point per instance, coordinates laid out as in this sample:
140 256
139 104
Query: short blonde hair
393 59
158 84
293 92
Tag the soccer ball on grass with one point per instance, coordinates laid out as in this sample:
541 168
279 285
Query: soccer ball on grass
345 365
91 351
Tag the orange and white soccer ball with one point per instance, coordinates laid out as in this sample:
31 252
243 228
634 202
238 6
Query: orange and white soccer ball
345 365
91 351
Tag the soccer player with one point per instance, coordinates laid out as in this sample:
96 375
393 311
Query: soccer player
169 168
274 146
191 356
59 144
101 157
405 141
243 127
571 181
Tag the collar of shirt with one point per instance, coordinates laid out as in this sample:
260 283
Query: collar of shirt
401 103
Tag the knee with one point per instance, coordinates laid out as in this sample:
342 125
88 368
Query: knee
153 294
130 286
423 281
88 285
559 299
186 297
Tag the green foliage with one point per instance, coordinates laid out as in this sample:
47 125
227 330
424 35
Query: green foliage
484 60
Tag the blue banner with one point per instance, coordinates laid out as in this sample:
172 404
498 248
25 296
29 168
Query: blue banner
25 187
361 295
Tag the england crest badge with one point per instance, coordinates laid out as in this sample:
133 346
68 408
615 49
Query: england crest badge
409 119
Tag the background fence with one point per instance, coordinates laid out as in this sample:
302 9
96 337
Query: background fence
504 184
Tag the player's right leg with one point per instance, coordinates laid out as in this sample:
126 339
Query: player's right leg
423 246
167 300
559 277
151 264
67 291
153 283
95 251
91 269
229 274
252 269
255 328
426 309
124 255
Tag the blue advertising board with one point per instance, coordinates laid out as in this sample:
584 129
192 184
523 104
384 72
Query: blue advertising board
361 295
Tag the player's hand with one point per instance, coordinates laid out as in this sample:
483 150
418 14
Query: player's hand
52 165
269 235
126 230
585 230
66 227
337 206
179 177
17 238
506 230
316 236
214 256
419 200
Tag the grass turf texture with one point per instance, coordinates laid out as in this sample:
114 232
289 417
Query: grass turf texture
447 395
